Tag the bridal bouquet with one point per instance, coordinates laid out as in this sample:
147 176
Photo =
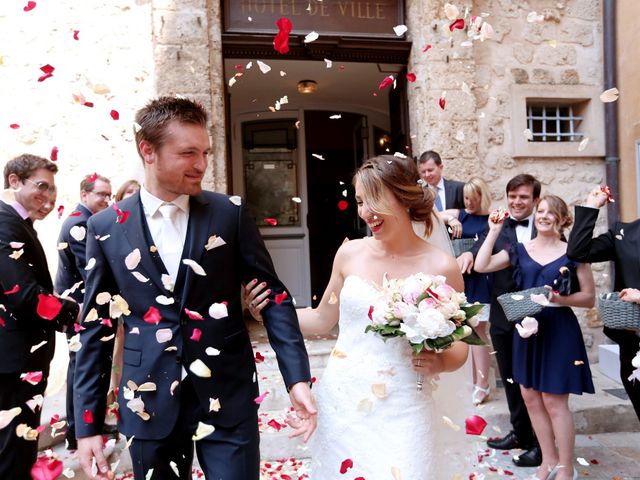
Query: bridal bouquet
423 308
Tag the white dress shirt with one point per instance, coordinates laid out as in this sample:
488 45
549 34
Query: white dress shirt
524 233
157 224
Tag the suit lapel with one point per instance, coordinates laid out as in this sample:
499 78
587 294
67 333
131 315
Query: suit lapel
448 193
198 234
136 231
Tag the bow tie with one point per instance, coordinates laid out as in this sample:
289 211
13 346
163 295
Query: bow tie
519 223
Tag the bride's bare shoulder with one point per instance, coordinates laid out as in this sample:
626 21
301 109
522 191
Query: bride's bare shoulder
350 247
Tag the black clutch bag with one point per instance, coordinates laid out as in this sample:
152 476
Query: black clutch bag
567 282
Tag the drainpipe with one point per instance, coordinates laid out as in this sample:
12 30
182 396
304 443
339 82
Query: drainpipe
612 157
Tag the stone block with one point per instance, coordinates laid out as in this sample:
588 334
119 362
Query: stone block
520 75
537 33
584 9
501 27
570 77
181 5
495 132
560 55
541 75
574 31
180 27
523 53
189 67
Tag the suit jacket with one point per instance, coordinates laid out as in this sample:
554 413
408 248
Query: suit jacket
72 259
621 245
503 280
453 194
223 345
20 326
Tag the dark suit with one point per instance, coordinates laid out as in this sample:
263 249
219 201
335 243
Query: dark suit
625 253
174 404
502 330
21 328
453 194
71 263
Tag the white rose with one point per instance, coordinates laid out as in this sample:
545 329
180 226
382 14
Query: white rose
448 309
381 313
432 324
403 311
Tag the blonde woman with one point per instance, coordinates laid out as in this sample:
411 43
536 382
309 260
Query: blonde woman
470 222
551 362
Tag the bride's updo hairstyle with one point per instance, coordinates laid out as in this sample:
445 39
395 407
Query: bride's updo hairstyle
558 207
400 176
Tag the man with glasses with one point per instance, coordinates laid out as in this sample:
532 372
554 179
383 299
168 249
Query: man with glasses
29 313
95 193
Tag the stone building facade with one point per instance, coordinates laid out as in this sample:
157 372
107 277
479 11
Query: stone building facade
128 51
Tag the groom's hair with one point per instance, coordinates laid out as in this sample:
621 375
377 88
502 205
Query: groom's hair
525 180
400 176
153 118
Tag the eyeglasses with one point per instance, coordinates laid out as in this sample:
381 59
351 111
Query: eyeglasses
43 187
105 195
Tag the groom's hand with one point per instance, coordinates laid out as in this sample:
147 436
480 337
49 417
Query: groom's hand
90 448
306 411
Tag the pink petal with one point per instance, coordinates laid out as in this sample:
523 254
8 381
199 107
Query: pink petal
196 334
14 126
152 316
54 154
32 377
386 82
475 425
259 399
192 315
30 6
15 289
411 77
75 34
48 306
459 24
426 48
87 416
46 468
271 221
442 102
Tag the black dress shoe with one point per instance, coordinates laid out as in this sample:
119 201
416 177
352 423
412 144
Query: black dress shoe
530 458
509 441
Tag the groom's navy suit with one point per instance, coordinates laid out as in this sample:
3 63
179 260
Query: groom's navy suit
224 345
502 331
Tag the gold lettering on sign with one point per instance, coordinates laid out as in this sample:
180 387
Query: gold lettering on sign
380 11
284 8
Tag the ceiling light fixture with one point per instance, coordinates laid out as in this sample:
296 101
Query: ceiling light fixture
307 86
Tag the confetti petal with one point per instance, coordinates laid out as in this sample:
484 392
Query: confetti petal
610 95
196 334
31 377
475 425
264 68
411 77
48 306
400 30
457 24
218 310
46 468
281 40
203 430
197 269
311 37
30 6
199 369
164 335
346 465
7 416
78 232
152 316
193 315
386 82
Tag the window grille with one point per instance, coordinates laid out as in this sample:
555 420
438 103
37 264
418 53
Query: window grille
554 123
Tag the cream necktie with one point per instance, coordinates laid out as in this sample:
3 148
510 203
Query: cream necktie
171 239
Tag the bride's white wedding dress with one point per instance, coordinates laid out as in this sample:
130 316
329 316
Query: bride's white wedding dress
370 411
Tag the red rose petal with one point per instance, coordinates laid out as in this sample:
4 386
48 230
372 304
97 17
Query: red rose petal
442 102
123 217
54 154
152 316
87 416
259 357
48 306
475 425
426 48
15 289
75 34
271 221
193 315
46 468
30 6
32 377
281 297
74 214
386 82
114 114
411 77
346 465
14 126
106 321
457 24
60 210
273 423
48 72
92 178
343 205
260 398
54 419
88 104
281 40
196 334
370 314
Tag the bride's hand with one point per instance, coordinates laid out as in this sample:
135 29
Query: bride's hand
428 363
256 298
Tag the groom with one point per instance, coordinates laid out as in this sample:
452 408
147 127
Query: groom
170 262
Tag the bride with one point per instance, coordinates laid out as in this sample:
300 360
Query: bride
373 421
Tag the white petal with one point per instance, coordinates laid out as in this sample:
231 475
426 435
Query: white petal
16 254
214 242
197 269
610 95
583 144
16 244
35 402
328 62
167 283
173 387
311 37
214 405
90 264
103 298
264 68
136 405
236 200
451 11
62 245
147 387
6 416
134 331
400 30
199 368
133 259
74 343
36 347
164 335
162 300
140 277
202 431
78 232
218 310
212 352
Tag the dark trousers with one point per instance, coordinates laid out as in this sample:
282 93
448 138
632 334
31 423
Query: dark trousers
629 345
18 455
71 421
503 345
227 453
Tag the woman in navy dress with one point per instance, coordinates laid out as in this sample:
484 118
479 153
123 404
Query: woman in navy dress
552 363
471 223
